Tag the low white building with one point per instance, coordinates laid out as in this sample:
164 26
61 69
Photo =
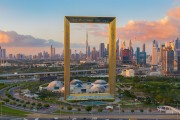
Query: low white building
128 73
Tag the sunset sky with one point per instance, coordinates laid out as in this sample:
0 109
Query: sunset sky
31 26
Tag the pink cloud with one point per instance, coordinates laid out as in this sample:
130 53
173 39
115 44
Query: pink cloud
174 13
4 38
167 28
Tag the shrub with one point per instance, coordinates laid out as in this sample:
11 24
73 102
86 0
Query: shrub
19 105
132 111
31 107
6 100
24 105
141 110
69 107
33 103
79 109
150 110
88 108
46 105
100 109
27 102
111 110
39 104
37 107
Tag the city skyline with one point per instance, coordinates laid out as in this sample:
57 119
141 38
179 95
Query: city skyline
40 27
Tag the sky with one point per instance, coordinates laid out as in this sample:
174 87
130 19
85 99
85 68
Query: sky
31 26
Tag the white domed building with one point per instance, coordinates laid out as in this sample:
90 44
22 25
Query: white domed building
101 82
55 86
97 89
75 82
61 90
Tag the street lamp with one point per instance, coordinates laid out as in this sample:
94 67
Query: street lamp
60 108
1 110
119 108
177 112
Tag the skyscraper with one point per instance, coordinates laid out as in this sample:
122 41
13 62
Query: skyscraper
177 55
122 48
94 54
2 55
155 53
137 55
106 50
52 52
87 46
143 48
89 52
167 59
131 51
140 57
101 50
117 49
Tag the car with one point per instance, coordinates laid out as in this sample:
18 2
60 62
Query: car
109 107
55 118
94 118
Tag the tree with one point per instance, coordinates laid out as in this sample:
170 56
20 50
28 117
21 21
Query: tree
19 105
27 102
24 105
39 104
31 107
132 111
122 110
46 105
100 109
111 110
141 110
22 101
88 108
6 100
33 103
37 107
79 109
69 107
62 107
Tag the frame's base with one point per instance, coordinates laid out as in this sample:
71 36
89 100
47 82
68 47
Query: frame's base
91 96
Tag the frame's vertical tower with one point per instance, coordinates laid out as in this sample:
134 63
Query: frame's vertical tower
112 57
66 58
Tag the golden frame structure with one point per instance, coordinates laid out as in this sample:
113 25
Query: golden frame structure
111 55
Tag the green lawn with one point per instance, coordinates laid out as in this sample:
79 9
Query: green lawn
13 112
2 85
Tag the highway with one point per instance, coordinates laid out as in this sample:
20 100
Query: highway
62 72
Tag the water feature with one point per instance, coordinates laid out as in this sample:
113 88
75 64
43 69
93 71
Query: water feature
92 103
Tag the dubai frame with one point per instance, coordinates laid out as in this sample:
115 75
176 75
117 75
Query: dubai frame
111 56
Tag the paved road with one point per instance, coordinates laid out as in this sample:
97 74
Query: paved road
142 117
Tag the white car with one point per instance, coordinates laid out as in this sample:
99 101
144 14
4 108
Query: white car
109 107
